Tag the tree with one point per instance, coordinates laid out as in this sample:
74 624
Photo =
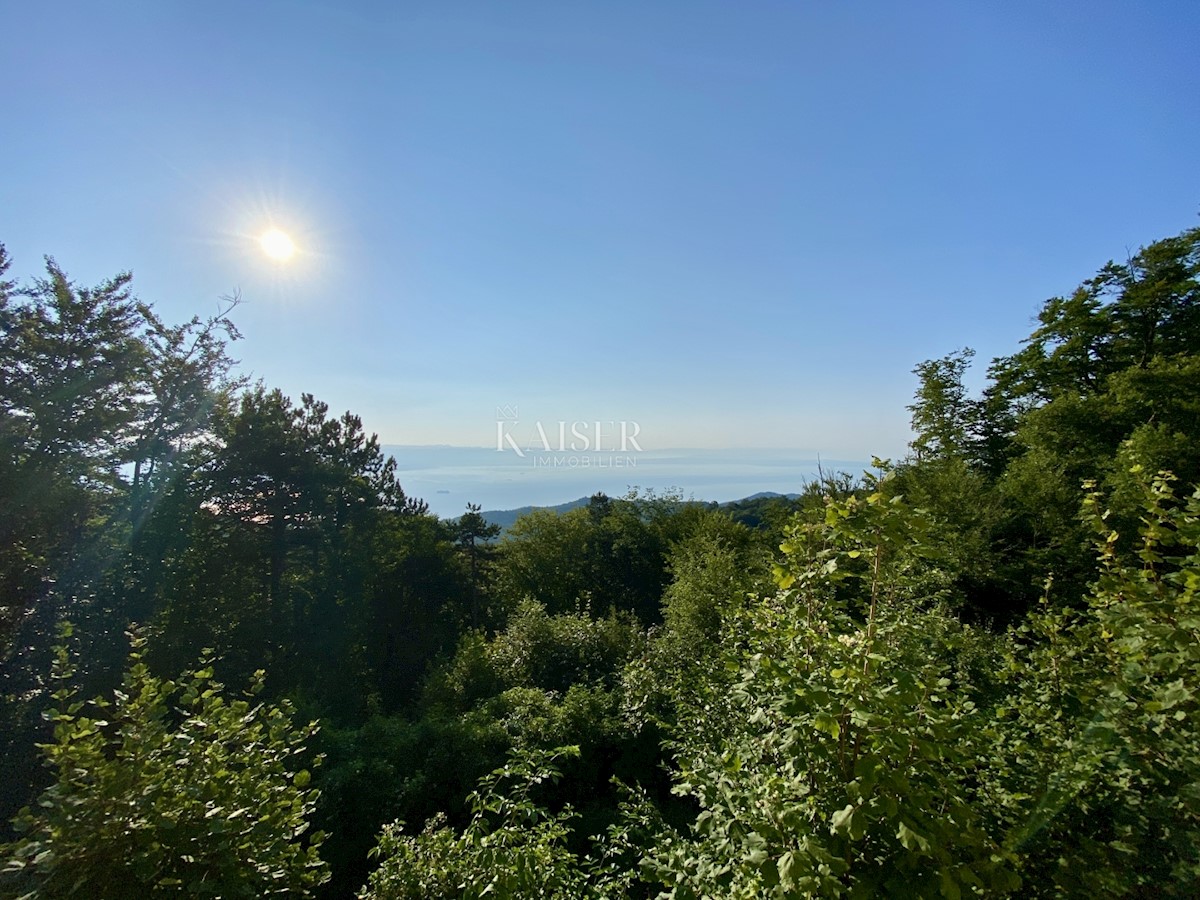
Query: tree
101 402
835 763
1093 756
473 534
187 377
609 554
1113 365
291 519
71 362
870 744
170 786
713 569
412 596
102 406
942 413
512 846
71 370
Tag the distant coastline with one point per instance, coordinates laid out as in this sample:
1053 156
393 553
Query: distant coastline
448 478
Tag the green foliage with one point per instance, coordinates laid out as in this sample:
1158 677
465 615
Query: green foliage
98 400
712 568
187 378
1095 753
72 359
871 744
545 681
859 740
716 570
297 530
392 768
966 516
841 729
169 788
1112 370
610 554
103 408
512 846
537 650
555 652
837 764
942 415
1128 315
72 367
474 536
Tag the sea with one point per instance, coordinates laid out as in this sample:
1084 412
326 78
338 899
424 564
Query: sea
448 478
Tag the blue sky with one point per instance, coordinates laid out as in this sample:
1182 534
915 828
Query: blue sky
739 225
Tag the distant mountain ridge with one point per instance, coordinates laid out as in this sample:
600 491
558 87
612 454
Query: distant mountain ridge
506 517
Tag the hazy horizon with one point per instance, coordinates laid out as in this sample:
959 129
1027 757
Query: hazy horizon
448 478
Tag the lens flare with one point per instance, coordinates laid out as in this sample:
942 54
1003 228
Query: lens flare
277 245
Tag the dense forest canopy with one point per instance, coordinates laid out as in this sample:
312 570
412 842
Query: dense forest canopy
970 672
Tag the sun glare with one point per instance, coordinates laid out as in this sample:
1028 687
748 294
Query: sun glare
277 245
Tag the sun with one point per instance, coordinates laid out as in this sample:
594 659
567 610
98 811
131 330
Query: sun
277 245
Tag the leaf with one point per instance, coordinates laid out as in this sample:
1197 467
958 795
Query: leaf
1176 693
911 839
827 723
950 888
843 820
787 866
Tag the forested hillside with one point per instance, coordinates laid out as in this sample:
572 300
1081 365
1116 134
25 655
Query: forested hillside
973 671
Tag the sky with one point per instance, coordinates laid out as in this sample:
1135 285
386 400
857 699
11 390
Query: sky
737 225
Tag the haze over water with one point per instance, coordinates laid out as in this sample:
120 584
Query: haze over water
448 478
